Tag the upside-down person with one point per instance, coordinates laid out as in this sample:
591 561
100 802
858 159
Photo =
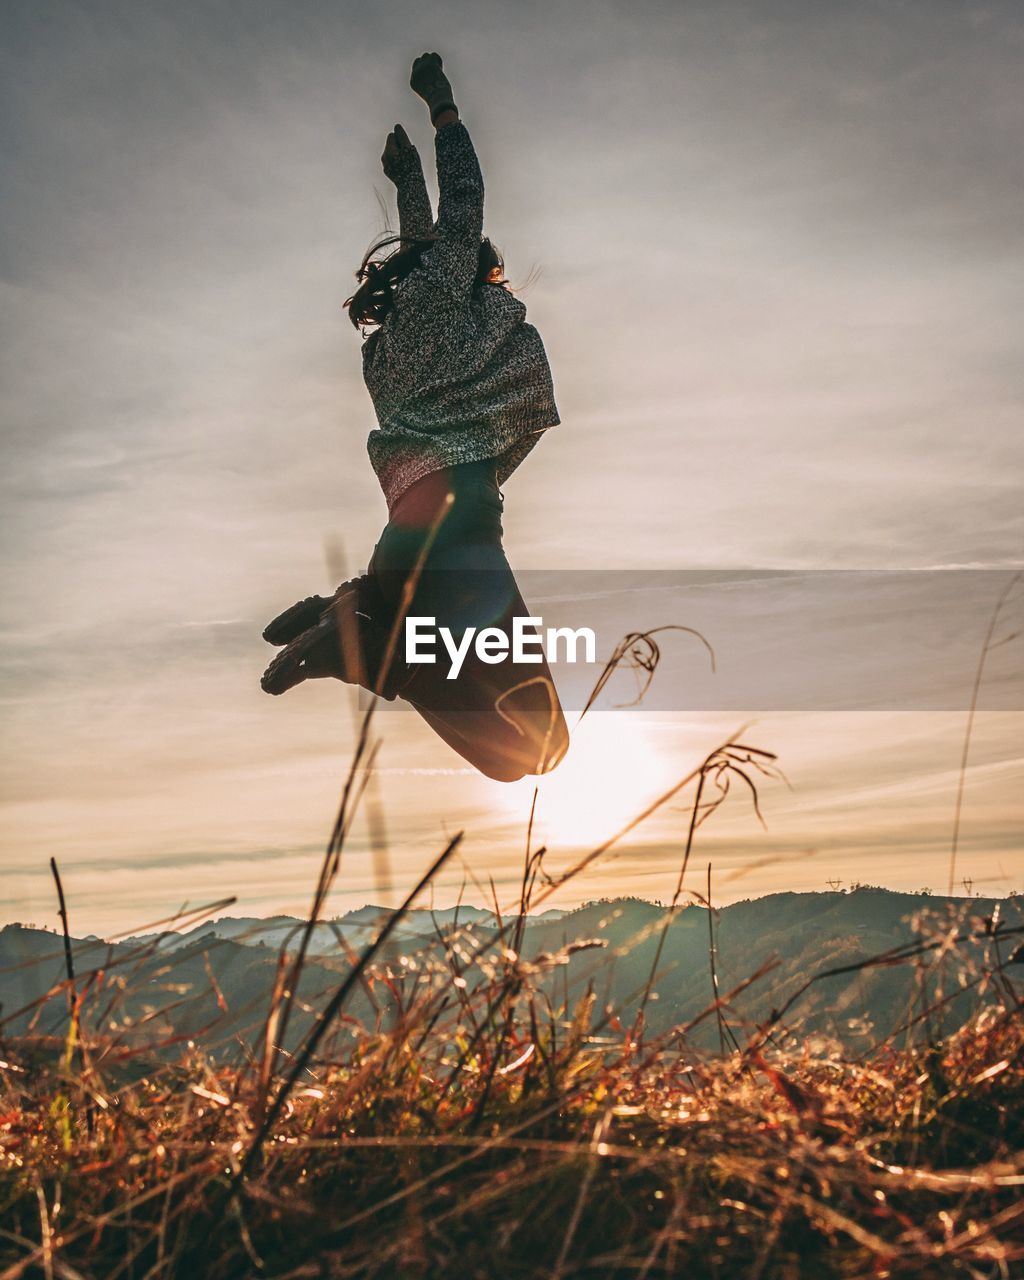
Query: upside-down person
462 391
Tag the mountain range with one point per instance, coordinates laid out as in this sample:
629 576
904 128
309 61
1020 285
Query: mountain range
214 982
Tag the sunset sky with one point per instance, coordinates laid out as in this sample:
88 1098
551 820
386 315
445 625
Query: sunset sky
775 251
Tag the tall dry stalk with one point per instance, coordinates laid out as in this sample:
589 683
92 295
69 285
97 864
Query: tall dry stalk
987 645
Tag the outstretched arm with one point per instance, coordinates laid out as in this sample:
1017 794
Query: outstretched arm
460 211
401 163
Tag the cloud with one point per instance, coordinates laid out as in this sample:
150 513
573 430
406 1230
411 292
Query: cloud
780 251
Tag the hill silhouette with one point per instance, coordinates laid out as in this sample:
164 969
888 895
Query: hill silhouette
214 981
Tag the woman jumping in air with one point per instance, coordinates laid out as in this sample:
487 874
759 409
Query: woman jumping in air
462 391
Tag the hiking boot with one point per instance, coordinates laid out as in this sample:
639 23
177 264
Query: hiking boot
288 626
291 624
347 640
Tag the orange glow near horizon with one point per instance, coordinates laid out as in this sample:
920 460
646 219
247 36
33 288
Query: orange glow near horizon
612 771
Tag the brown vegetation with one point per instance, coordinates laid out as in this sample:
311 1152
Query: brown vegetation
486 1127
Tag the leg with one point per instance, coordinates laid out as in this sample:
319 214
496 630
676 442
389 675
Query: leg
518 733
504 718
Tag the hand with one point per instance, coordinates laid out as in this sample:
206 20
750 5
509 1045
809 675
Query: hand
397 150
429 81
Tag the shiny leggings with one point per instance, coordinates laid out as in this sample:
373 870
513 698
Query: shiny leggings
504 718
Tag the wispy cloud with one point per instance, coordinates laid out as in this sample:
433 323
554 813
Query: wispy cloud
781 253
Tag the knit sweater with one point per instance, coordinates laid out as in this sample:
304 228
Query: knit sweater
455 373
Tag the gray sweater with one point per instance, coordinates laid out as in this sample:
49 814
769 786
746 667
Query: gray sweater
455 374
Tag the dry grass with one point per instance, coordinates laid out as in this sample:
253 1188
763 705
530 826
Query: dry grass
496 1129
482 1129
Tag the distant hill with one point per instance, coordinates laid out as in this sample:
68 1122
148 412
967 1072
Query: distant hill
216 979
330 937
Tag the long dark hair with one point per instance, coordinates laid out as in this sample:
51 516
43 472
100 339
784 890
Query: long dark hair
390 260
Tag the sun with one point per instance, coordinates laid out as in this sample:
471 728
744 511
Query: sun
612 771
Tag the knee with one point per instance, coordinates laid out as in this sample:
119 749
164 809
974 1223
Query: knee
554 752
535 765
515 764
503 773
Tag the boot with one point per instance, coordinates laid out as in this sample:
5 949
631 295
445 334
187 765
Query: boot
288 626
347 640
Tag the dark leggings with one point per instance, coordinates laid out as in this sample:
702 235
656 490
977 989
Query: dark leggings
504 718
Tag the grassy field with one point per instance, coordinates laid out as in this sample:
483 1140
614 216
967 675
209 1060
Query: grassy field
497 1137
486 1128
